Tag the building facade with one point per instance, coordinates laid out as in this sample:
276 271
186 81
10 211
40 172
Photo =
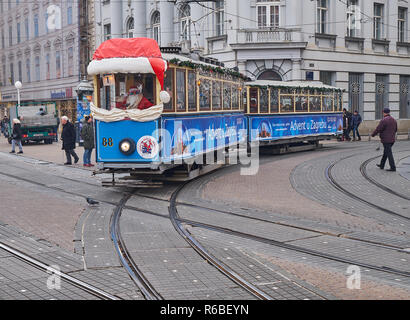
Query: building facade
40 46
361 46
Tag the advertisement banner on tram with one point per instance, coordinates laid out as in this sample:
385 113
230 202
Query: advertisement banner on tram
277 126
185 137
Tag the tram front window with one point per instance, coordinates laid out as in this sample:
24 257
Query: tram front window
134 91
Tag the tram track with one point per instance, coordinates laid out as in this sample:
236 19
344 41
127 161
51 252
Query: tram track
363 170
178 222
145 286
101 294
291 247
257 219
125 258
129 265
339 187
127 262
173 214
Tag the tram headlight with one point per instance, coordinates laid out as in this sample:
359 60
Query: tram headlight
127 146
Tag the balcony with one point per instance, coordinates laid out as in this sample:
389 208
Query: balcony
276 35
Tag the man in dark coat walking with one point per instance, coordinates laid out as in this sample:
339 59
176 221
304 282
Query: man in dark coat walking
387 129
17 135
69 137
87 133
356 121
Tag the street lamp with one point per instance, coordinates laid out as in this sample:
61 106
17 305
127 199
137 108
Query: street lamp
18 86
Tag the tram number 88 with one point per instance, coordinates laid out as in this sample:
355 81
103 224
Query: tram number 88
107 142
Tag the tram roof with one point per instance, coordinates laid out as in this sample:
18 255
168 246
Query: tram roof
181 58
291 84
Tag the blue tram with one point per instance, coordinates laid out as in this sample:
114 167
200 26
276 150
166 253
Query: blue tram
290 113
158 111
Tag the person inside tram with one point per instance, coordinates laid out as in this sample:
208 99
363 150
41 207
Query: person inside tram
41 112
136 99
121 101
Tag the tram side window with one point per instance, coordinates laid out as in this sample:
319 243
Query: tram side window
216 95
181 90
245 99
227 96
264 100
168 87
338 101
301 101
235 97
204 94
287 100
253 98
191 91
315 102
327 103
274 100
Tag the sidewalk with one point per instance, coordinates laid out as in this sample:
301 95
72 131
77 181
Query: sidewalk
47 152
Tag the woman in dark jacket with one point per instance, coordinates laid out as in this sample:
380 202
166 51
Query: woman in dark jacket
87 132
68 136
17 136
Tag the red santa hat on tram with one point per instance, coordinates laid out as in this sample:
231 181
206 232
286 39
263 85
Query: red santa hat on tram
134 55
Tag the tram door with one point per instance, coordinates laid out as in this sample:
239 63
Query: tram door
404 97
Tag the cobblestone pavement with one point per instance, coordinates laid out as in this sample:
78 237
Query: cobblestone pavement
404 168
52 222
46 152
353 229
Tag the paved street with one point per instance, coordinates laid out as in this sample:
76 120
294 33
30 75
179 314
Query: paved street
286 231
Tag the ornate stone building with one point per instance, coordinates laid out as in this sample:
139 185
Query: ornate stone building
40 46
361 46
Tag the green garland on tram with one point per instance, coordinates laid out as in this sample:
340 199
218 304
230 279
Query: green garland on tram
207 68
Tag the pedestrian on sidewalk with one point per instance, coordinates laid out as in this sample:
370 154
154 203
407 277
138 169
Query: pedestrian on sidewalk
3 125
69 137
387 129
17 136
347 121
356 121
87 133
55 130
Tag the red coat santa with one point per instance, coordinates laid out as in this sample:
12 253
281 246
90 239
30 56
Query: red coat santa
136 99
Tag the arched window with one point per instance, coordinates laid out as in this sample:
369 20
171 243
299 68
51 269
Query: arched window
270 75
156 26
130 28
185 24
